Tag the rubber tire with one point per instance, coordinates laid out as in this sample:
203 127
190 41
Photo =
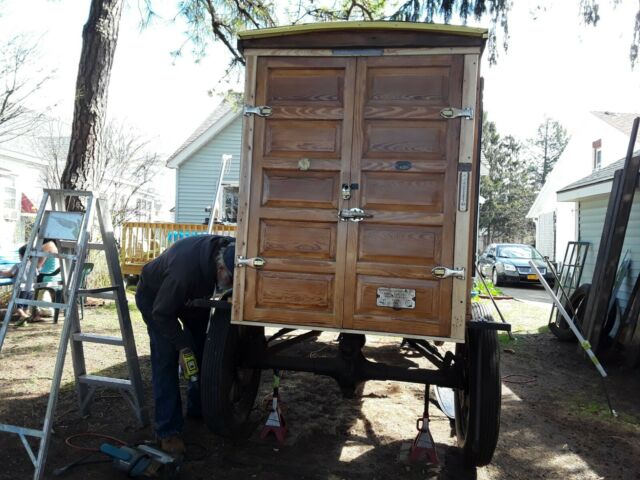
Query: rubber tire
219 377
578 300
495 278
477 406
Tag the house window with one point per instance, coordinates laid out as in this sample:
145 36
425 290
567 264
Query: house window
597 154
8 198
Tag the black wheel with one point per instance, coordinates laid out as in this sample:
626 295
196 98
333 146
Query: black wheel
578 300
495 278
477 406
228 391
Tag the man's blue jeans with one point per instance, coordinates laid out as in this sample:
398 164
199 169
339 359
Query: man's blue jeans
164 366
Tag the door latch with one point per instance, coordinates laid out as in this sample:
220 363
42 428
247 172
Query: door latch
255 262
453 112
261 111
444 272
353 214
346 191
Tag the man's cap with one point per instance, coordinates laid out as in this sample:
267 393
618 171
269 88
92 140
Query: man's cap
229 257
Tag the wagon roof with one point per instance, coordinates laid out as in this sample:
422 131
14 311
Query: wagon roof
350 34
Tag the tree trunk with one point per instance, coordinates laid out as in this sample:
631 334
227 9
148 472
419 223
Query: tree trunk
99 39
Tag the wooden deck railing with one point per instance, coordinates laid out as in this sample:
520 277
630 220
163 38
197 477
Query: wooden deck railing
141 242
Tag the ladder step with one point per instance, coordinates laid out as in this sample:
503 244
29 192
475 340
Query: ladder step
95 338
96 246
20 430
108 293
64 256
41 304
99 381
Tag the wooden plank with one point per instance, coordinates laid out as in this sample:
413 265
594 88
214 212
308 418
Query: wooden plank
244 193
325 52
631 322
613 240
464 228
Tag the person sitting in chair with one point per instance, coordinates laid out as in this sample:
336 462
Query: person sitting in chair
22 311
191 268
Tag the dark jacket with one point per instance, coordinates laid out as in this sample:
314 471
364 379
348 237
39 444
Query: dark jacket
185 271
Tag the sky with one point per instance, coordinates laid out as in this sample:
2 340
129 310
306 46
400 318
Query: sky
555 66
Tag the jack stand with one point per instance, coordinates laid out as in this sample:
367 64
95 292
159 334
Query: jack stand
275 422
424 448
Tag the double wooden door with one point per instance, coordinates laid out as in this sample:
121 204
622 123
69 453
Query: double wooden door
344 134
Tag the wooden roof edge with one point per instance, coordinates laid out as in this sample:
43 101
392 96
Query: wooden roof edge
457 30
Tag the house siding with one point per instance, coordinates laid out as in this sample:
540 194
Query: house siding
592 213
196 178
545 235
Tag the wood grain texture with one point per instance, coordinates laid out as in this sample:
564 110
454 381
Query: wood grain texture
244 193
464 228
372 122
301 159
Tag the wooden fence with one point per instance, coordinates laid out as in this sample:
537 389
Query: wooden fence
141 242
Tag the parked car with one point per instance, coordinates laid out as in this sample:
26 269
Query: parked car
509 263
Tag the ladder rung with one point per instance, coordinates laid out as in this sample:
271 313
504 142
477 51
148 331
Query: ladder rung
105 292
99 381
20 430
96 246
95 338
64 256
41 304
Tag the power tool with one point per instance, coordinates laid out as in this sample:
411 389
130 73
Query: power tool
142 461
189 365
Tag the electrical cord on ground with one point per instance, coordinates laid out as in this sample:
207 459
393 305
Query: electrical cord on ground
92 435
518 379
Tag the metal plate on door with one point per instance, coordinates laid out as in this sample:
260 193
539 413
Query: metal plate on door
396 298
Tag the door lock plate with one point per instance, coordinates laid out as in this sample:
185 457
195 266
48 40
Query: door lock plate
353 215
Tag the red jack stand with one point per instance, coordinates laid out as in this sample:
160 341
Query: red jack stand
424 448
275 422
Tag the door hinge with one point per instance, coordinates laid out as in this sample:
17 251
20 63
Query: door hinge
444 272
453 112
256 262
261 111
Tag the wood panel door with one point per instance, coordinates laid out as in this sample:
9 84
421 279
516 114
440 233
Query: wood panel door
404 161
301 157
372 124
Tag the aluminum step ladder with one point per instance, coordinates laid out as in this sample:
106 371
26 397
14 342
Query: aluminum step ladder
72 232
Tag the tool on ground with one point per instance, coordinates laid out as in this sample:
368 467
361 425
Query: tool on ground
142 461
275 423
581 340
72 231
189 365
423 447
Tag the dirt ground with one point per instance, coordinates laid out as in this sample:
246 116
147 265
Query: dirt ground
554 418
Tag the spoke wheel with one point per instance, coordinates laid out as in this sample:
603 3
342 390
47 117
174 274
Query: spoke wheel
578 300
228 390
477 405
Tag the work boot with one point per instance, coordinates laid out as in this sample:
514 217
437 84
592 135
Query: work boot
173 445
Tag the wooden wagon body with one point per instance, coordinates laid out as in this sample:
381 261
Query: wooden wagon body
378 122
357 214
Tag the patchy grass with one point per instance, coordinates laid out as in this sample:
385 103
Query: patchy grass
490 288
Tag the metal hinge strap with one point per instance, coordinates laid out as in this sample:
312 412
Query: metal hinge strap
261 111
453 112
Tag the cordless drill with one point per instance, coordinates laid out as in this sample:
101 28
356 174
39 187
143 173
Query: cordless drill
189 365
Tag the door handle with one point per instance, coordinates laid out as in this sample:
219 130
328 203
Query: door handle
353 215
444 272
255 262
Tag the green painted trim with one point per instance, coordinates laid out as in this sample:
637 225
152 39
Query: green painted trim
336 26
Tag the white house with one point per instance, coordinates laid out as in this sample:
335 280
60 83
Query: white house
602 138
198 163
20 190
591 197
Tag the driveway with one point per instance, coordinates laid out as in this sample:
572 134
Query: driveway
529 293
